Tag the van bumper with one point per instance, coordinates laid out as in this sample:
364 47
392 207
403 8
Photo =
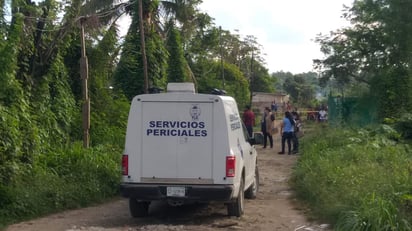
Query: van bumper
199 193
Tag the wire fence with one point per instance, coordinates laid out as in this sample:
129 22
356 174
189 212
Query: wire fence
359 111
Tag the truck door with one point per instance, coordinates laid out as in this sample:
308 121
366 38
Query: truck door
177 141
249 156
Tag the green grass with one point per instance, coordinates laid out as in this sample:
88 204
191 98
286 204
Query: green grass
356 179
61 179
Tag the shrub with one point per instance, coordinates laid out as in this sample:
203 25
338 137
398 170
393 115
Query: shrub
404 125
374 213
342 169
64 178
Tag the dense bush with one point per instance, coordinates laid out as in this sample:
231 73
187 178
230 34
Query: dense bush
404 125
356 179
61 179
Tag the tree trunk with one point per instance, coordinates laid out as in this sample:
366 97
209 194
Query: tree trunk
143 47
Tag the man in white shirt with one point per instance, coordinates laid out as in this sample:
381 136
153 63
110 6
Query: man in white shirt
323 115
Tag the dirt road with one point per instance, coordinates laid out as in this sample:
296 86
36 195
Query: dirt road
273 209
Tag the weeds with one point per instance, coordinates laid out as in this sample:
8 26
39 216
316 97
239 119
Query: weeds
61 179
356 179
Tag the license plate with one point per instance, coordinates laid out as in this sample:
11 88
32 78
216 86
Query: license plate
176 191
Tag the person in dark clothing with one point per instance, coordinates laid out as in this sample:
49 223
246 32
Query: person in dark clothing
295 139
249 120
274 107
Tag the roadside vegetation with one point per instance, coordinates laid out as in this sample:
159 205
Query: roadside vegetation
357 179
60 179
355 171
45 58
47 50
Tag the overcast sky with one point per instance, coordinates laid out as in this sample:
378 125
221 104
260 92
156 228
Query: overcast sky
286 29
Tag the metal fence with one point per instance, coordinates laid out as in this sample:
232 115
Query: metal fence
352 110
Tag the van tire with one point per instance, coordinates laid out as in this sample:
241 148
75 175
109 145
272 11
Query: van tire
236 208
253 189
138 208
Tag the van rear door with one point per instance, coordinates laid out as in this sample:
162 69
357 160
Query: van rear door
177 142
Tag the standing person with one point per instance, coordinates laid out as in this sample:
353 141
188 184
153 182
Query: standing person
268 127
288 106
249 120
295 139
274 107
286 130
323 115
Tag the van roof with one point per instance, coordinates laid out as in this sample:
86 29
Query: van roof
181 87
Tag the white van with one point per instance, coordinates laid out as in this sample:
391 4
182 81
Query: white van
187 147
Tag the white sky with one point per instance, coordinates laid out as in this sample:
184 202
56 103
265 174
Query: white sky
286 29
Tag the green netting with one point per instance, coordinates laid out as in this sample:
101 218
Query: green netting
352 110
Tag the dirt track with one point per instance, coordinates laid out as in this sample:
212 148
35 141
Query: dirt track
273 209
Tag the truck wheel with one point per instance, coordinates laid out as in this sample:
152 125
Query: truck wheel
236 207
252 191
138 208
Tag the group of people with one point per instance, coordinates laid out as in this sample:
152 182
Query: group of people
289 128
319 114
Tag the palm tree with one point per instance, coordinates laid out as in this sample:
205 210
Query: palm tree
149 18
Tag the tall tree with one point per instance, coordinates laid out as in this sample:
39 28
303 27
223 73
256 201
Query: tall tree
129 74
13 108
236 84
301 91
177 66
376 51
261 80
155 15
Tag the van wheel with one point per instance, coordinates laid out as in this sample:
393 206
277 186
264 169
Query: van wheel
138 208
236 207
252 191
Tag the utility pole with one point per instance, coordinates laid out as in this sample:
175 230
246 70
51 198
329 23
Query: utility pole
221 58
143 47
84 74
251 78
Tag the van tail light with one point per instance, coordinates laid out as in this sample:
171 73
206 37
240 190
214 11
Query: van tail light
230 166
125 165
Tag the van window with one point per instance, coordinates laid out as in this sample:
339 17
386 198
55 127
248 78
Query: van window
245 133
